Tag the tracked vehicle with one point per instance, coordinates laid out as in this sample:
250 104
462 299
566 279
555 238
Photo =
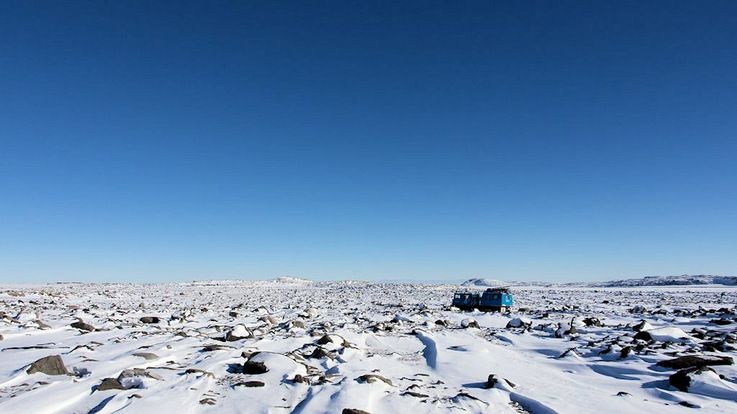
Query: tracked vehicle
492 299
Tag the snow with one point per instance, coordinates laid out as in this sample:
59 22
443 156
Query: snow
378 347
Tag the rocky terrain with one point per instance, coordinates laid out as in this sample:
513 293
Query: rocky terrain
294 346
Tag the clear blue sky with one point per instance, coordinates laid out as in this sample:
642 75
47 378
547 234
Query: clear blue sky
547 140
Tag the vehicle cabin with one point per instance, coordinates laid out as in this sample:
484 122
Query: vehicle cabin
492 299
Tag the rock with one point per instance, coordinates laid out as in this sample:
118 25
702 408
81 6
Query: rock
208 401
519 323
623 394
371 378
148 356
492 381
50 365
300 379
720 321
238 332
320 353
469 323
250 384
682 379
643 335
591 321
199 371
638 309
83 326
110 384
642 326
149 319
624 353
414 394
296 324
254 367
354 411
691 361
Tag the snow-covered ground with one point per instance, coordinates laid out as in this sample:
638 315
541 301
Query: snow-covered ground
293 346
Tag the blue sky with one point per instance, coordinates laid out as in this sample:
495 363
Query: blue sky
375 140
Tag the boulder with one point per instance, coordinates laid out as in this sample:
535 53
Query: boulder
83 326
50 365
149 319
519 323
110 384
371 378
692 361
469 323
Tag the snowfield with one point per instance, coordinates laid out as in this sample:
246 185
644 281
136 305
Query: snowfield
295 346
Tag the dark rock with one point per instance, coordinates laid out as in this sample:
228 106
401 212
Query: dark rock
492 381
721 321
300 379
623 394
250 384
414 394
149 319
214 347
624 353
688 404
638 327
208 401
369 378
592 322
644 335
682 379
254 367
110 384
50 365
354 411
320 353
83 326
691 361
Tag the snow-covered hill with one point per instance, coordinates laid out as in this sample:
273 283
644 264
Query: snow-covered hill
484 282
673 281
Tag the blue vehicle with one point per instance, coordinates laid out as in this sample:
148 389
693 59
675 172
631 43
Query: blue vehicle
492 299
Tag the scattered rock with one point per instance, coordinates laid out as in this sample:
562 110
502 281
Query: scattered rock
238 332
519 323
148 356
591 321
149 319
50 365
682 379
249 384
254 367
110 384
469 323
354 411
82 326
690 361
371 378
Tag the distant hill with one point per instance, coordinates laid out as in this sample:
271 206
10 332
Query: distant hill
484 282
672 281
291 280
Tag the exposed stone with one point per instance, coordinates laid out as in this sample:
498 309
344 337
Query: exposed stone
83 326
370 378
149 319
50 365
110 384
690 361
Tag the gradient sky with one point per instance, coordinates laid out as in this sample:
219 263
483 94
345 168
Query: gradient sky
552 140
